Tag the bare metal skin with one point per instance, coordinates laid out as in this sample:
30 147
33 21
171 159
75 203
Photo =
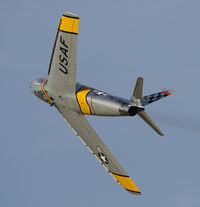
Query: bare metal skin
101 103
73 100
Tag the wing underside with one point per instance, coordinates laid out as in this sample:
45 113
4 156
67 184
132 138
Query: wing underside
62 67
95 145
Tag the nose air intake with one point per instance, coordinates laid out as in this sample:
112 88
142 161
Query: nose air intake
137 108
38 88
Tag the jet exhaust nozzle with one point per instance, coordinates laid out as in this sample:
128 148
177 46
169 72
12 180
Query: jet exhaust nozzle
133 110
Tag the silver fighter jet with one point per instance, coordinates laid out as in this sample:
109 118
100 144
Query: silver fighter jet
73 100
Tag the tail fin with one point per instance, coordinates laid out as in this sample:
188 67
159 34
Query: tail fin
155 97
138 89
146 118
137 106
136 98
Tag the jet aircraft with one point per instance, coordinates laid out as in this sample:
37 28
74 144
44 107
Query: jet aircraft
74 100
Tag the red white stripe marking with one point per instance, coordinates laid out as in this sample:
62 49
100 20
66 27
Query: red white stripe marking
92 104
165 92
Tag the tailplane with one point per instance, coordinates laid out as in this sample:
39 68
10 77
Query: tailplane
138 102
146 118
155 97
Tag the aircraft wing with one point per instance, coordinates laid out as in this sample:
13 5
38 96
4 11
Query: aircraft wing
62 67
92 141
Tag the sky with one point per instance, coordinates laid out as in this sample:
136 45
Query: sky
42 163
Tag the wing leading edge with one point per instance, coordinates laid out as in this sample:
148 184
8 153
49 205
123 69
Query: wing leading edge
92 141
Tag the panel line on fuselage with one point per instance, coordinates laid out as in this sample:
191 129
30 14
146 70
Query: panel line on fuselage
92 104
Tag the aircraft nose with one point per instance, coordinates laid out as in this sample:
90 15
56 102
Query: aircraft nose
31 86
34 86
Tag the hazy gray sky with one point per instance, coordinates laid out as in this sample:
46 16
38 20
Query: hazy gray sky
42 163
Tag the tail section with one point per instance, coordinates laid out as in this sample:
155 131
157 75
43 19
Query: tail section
155 97
136 105
146 118
138 102
137 94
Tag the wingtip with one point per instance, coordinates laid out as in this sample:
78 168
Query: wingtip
134 192
69 14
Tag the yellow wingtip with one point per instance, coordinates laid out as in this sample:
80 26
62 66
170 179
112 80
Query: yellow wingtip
69 24
127 183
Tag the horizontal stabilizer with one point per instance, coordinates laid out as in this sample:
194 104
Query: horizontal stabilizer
155 97
146 118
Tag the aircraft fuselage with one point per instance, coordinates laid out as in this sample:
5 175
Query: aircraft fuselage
89 101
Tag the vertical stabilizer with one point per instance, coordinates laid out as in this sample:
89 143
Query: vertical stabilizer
137 94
